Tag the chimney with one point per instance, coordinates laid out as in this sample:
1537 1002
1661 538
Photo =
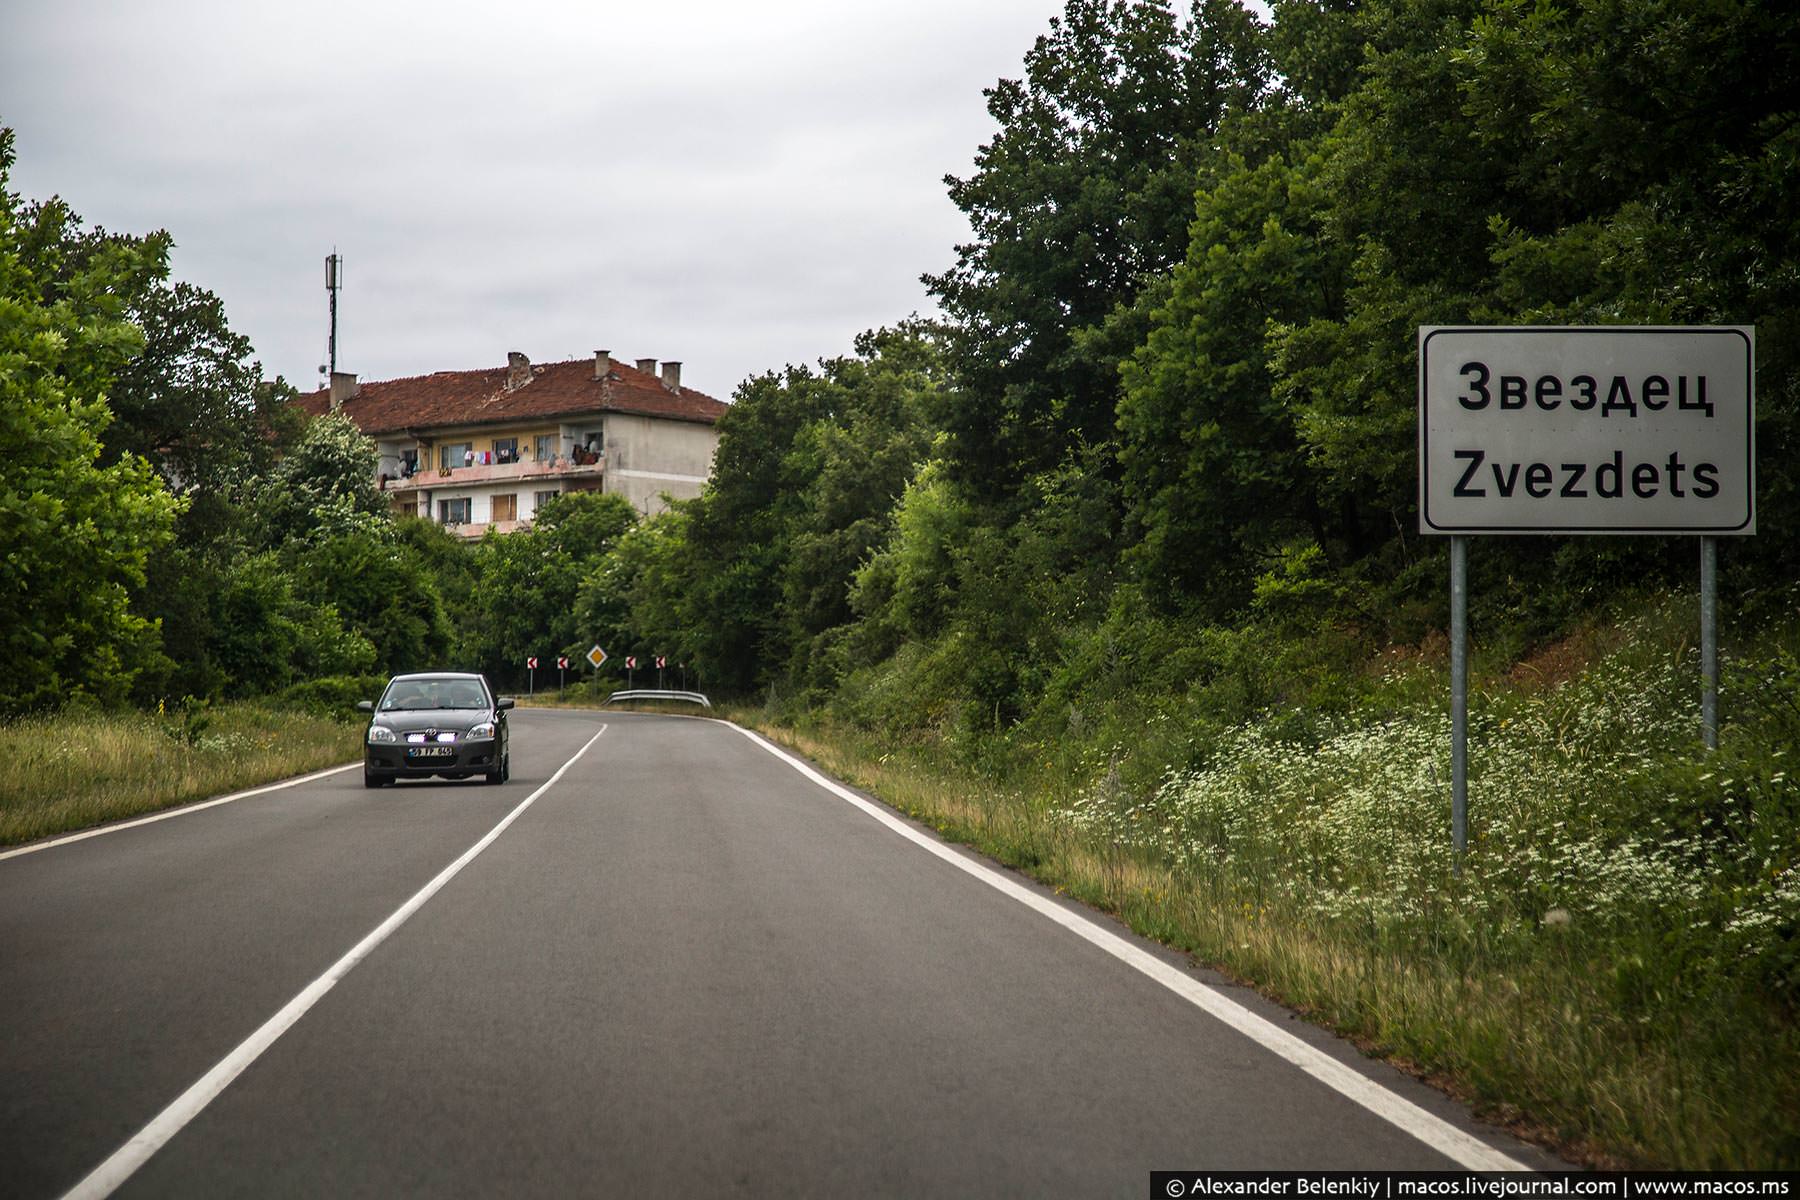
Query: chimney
647 365
602 363
518 370
672 376
343 387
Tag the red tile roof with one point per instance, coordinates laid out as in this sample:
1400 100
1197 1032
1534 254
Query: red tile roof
556 390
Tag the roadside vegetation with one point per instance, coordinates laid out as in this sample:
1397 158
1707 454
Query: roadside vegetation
77 769
1112 566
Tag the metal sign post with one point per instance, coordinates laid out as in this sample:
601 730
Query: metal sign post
1709 642
1459 698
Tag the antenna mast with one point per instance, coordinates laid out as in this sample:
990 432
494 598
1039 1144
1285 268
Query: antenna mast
334 279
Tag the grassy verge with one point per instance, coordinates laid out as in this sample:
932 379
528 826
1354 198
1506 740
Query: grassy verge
69 772
1614 971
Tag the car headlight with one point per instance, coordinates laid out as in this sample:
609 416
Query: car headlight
483 730
381 734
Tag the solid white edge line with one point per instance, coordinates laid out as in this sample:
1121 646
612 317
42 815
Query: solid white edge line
182 811
124 1162
1461 1148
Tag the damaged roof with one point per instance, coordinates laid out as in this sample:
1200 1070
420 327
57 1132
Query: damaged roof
553 391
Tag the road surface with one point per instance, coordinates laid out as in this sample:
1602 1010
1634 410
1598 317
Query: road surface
680 966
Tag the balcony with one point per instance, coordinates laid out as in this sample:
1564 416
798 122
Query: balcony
528 470
473 531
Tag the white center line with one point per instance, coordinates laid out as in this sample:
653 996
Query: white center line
1464 1149
106 1178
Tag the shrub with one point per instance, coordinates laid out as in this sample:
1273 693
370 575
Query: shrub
332 695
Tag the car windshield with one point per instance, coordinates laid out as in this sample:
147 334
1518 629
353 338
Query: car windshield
433 693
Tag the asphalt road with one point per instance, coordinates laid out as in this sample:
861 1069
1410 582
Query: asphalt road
683 968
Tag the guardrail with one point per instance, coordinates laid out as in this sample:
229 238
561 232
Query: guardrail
660 694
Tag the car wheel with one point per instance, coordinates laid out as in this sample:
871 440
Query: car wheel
371 780
499 773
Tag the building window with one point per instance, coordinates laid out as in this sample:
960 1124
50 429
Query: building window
409 463
455 455
542 498
506 450
546 446
454 512
506 508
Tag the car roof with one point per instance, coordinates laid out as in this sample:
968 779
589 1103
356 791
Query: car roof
428 675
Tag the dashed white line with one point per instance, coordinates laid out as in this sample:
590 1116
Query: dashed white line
125 1161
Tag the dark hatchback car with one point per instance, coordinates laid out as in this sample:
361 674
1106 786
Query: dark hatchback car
442 723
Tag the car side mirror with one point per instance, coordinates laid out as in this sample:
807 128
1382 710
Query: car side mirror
503 703
366 705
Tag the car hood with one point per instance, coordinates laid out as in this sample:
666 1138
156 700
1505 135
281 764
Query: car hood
411 720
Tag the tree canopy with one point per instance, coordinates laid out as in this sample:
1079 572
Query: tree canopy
77 532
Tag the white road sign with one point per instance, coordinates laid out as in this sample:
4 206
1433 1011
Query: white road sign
1602 429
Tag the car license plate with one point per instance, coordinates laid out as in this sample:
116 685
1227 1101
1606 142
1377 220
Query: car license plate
431 752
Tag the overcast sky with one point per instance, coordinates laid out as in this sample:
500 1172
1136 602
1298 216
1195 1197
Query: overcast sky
734 185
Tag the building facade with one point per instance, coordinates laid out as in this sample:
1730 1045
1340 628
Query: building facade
480 450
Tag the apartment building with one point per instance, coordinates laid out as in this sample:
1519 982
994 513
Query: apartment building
480 450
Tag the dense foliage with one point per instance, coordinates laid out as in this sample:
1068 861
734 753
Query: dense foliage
1152 420
1171 395
77 532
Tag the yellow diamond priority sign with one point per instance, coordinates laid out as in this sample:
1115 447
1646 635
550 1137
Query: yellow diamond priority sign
596 656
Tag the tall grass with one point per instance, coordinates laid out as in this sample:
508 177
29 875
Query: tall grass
69 772
1616 966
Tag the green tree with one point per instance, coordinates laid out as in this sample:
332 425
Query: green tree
906 590
195 406
809 467
323 487
1214 472
76 533
633 598
194 403
191 401
382 591
525 600
1082 198
265 635
1626 162
736 533
856 459
451 564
